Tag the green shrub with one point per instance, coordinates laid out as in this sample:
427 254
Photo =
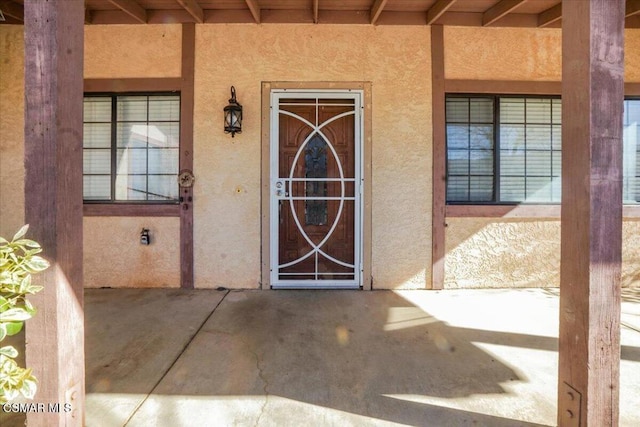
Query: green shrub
18 261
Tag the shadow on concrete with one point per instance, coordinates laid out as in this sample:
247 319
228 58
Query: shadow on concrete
349 351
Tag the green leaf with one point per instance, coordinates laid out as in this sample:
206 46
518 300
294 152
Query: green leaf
28 243
25 284
21 232
9 351
4 304
33 289
29 387
15 315
38 263
13 327
8 395
3 331
3 240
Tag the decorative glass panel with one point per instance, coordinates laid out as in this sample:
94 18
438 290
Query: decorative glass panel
315 160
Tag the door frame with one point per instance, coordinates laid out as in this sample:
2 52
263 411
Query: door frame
365 201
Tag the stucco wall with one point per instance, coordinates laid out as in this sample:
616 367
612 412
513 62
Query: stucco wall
11 129
227 194
112 51
632 55
227 191
113 255
533 54
502 252
631 254
499 252
503 53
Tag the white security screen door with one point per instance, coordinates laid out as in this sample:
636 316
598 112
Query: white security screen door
316 187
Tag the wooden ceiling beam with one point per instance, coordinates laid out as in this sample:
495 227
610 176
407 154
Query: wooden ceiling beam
438 9
13 10
254 7
376 10
316 10
550 15
194 9
87 16
632 8
499 10
132 9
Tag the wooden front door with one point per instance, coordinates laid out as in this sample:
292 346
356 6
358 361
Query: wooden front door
315 180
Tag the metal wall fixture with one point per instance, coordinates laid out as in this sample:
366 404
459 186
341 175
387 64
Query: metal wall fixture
145 237
233 115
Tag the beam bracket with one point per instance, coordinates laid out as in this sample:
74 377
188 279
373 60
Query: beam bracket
573 399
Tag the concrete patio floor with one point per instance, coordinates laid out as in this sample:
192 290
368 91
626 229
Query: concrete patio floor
343 358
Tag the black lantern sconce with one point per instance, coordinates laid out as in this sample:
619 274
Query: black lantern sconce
233 115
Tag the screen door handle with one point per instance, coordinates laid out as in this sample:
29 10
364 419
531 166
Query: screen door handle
280 189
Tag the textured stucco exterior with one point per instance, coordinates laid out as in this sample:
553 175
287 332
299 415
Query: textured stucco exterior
531 54
632 55
480 252
11 129
631 253
519 253
501 252
503 53
132 51
227 193
498 253
114 257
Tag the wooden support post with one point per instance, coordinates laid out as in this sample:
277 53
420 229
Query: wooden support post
592 98
438 202
54 36
186 154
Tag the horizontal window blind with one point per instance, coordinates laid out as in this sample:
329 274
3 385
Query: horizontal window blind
131 147
508 149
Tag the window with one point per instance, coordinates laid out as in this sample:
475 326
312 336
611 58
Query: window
631 153
131 148
505 149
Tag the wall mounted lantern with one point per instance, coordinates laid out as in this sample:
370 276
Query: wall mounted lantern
233 115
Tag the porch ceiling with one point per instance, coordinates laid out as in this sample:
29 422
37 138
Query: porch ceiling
497 13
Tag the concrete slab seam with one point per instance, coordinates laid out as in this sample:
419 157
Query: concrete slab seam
186 346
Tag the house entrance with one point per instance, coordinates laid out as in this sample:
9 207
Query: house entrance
316 187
